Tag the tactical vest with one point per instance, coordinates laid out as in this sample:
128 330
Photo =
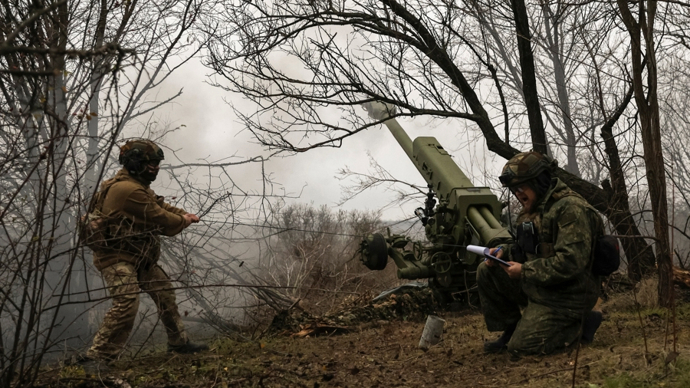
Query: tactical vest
114 234
542 245
93 225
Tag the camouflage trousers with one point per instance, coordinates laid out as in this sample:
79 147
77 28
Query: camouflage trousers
124 284
540 329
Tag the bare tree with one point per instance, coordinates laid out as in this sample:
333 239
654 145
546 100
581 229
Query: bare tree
296 59
73 75
644 63
673 81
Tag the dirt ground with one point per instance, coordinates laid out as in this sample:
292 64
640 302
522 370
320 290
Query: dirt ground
633 348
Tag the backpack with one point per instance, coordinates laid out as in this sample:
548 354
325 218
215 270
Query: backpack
92 227
606 256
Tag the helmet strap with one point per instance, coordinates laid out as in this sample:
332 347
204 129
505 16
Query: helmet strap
541 185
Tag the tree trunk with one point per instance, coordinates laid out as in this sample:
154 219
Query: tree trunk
648 108
639 254
529 76
554 39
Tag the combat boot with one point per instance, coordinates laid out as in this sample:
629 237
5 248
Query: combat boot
188 348
590 326
94 366
501 343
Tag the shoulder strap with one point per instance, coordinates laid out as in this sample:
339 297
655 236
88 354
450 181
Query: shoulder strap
99 198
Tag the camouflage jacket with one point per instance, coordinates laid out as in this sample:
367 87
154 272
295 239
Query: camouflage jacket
559 274
135 218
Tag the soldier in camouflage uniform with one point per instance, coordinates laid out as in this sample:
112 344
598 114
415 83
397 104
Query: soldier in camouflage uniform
550 278
133 218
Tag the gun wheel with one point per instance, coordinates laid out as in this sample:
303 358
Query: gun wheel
374 252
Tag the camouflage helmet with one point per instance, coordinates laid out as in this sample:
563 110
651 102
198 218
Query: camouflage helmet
524 167
136 154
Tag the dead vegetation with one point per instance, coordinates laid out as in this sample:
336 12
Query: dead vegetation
374 344
407 304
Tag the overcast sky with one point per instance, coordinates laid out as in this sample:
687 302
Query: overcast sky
212 132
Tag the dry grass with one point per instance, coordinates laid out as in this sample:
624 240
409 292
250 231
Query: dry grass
633 348
646 294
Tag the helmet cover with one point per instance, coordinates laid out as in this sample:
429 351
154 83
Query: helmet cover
524 167
136 155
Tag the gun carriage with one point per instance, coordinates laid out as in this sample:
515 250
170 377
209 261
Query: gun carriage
464 215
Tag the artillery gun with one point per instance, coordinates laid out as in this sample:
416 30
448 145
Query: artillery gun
465 215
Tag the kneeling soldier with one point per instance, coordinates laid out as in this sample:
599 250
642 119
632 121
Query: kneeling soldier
550 276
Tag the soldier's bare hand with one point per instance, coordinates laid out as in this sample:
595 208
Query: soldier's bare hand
514 271
492 252
193 217
189 219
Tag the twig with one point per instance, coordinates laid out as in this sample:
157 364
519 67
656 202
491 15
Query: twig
222 197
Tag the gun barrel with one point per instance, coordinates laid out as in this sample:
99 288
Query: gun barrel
437 167
432 161
382 111
401 136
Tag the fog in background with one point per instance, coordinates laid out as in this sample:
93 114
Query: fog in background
211 132
200 127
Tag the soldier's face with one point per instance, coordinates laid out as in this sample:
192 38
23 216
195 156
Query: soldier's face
152 169
525 195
